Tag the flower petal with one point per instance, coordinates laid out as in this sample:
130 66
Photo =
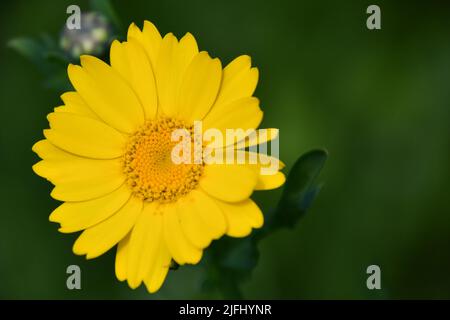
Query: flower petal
243 114
239 81
166 75
130 60
159 270
267 168
200 86
77 178
121 265
228 182
172 62
241 138
107 94
100 238
179 247
268 182
200 218
145 240
149 38
186 51
76 216
80 179
261 136
119 59
75 104
46 150
80 191
77 169
241 217
84 136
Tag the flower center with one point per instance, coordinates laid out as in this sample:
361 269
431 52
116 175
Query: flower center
151 172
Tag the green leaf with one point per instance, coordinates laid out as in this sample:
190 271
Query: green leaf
29 48
106 8
43 52
300 188
58 57
47 41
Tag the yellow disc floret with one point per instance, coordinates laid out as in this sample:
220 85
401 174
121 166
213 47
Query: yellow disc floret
151 172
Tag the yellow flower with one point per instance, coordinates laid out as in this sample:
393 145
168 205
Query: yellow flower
108 153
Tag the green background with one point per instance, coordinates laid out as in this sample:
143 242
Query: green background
378 101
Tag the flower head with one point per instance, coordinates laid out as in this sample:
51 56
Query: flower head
110 154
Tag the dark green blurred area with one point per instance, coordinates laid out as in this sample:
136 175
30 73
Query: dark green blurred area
378 101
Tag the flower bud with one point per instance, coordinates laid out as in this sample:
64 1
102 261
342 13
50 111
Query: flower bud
93 38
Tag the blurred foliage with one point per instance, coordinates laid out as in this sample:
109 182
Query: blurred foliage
46 56
377 100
